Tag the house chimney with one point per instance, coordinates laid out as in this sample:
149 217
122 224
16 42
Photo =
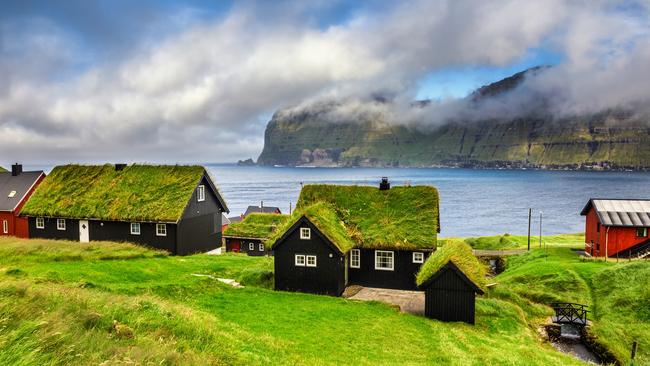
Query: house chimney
384 185
119 167
16 169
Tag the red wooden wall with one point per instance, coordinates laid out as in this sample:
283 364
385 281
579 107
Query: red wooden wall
620 238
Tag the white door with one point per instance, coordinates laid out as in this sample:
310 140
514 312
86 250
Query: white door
84 231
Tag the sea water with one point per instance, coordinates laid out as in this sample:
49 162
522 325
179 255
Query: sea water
472 202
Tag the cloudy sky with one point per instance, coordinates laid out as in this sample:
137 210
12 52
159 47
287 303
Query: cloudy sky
197 81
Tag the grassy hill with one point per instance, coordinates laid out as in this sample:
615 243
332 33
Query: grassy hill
508 241
72 303
2 169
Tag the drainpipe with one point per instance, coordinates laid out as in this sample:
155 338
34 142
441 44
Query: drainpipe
606 244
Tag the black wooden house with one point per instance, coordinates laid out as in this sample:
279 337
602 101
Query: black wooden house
449 295
356 235
174 208
250 235
451 278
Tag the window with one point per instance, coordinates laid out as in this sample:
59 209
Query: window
261 247
305 233
40 223
642 232
60 224
161 229
418 257
598 227
311 261
135 228
300 260
355 258
12 194
200 193
251 246
5 226
384 260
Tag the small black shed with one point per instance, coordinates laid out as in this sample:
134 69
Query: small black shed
450 295
451 278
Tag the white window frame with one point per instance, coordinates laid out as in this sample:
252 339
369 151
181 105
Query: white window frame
261 247
418 257
60 224
5 227
308 259
645 232
300 260
200 193
137 225
392 260
40 223
355 253
305 233
162 232
251 247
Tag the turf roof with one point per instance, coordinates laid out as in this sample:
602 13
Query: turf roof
461 255
137 193
256 225
325 218
398 218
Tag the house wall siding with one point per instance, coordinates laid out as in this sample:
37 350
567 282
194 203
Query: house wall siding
199 229
120 231
401 278
327 278
50 231
244 246
450 299
619 238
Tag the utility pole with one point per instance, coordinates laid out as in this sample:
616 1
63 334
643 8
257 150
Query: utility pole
540 229
289 208
530 214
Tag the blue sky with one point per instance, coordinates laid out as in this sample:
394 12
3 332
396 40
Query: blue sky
198 80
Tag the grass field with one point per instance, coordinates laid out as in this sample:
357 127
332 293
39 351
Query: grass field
507 241
59 302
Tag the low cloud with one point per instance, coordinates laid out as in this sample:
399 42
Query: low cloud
205 92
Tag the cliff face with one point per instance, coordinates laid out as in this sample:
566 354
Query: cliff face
608 140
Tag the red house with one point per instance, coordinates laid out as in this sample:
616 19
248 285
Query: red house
617 227
15 189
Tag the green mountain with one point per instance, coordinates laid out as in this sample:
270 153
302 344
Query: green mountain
612 139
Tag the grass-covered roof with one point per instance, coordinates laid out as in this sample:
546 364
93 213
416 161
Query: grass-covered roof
461 255
399 218
137 193
2 170
324 217
256 225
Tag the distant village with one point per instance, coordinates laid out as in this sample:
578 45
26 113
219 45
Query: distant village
337 238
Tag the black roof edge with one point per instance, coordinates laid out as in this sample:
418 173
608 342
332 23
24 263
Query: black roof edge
450 265
295 225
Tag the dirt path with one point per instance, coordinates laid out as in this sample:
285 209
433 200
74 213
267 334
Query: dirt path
407 301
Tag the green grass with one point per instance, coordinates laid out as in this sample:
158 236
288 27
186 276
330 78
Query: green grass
138 193
256 225
617 295
2 170
508 241
461 255
401 217
59 301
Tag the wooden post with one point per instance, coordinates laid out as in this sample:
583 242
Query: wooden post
540 229
634 345
530 214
